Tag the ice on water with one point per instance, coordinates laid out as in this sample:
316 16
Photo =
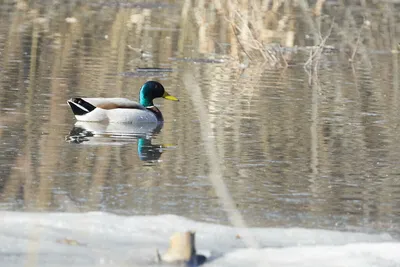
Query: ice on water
103 239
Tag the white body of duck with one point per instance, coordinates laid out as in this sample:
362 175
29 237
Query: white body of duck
122 110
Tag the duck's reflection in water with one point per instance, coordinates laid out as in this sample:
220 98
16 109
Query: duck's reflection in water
118 134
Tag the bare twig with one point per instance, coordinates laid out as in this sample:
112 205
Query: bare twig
237 38
316 56
351 59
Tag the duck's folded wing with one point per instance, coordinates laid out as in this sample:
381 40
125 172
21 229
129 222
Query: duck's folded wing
113 103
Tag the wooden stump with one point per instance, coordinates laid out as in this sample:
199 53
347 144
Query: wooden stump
182 250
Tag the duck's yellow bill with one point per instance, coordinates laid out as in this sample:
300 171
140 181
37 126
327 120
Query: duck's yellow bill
169 97
167 145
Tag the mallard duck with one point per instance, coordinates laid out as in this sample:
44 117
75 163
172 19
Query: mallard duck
122 110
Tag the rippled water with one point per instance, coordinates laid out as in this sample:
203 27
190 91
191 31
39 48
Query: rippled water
322 154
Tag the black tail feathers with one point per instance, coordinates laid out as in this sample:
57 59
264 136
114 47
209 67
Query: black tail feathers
80 106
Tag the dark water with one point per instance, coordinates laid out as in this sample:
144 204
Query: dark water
321 152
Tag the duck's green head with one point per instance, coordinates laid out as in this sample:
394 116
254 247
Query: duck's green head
151 90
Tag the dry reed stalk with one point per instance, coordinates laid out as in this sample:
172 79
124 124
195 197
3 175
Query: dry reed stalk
251 43
251 28
315 57
238 41
348 37
308 19
200 18
318 7
359 40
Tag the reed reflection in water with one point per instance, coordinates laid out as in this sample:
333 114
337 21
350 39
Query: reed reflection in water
318 152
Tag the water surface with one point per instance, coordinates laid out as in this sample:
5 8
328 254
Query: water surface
295 151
